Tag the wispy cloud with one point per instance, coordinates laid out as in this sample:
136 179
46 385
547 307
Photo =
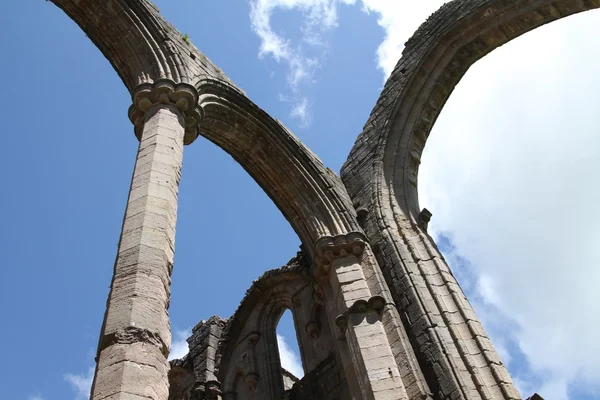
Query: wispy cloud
36 397
81 383
303 56
289 359
318 16
179 346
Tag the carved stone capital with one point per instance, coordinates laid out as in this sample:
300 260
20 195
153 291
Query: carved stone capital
182 96
329 248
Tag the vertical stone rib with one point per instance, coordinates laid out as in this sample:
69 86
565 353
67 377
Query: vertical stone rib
136 336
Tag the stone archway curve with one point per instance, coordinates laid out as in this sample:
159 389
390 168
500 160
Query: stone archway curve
143 48
434 60
311 197
457 357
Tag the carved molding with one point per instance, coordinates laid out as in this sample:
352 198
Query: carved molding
375 303
329 248
164 91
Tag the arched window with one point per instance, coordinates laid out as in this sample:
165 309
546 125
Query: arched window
289 351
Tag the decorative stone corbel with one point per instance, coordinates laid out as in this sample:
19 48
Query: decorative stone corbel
424 218
183 96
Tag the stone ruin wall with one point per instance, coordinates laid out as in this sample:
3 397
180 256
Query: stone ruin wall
239 357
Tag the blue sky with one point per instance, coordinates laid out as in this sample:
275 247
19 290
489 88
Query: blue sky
68 153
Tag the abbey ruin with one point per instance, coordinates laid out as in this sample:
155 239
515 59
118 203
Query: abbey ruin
378 313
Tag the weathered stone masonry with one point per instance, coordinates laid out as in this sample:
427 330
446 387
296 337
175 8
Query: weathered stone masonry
377 311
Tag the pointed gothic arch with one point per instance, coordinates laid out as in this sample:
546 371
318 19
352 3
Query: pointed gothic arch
250 361
381 176
144 49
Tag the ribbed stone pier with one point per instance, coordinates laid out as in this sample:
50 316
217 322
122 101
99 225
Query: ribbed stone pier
136 336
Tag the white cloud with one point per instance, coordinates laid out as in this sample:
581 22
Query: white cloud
509 173
300 111
397 18
36 397
179 346
319 16
289 359
81 383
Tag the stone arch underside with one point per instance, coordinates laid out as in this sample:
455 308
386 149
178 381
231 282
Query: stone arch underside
144 48
381 176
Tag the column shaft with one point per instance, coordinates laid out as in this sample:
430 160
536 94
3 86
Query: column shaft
367 342
136 337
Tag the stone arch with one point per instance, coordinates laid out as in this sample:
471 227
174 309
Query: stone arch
144 49
310 196
433 62
249 353
381 176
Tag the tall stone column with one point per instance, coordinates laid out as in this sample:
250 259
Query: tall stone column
136 337
367 349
